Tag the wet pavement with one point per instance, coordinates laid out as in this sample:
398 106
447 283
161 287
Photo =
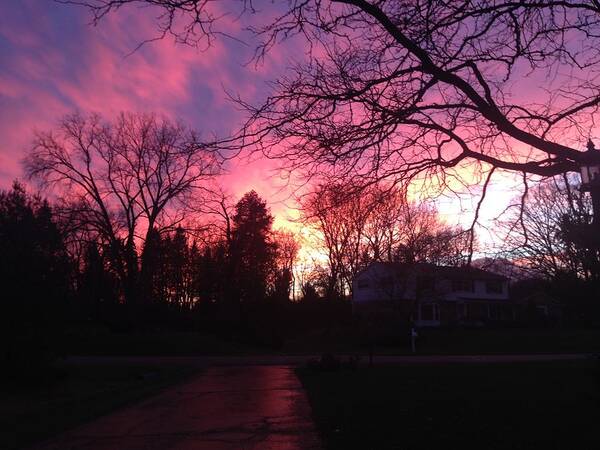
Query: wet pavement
299 360
252 407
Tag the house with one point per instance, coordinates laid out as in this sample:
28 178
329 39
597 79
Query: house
429 296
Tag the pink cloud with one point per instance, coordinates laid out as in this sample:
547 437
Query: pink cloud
52 63
45 75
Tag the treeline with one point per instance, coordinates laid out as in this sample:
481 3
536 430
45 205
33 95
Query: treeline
36 277
139 236
229 274
553 241
218 270
235 285
356 225
141 214
181 269
182 273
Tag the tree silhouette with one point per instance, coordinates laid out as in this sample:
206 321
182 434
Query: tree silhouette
377 223
35 273
98 288
153 276
286 253
178 269
122 180
252 250
550 236
340 219
398 89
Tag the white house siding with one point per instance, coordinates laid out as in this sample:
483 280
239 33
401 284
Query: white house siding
480 291
371 285
436 299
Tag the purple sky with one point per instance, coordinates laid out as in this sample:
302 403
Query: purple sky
53 62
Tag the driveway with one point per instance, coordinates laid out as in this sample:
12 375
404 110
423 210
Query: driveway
251 407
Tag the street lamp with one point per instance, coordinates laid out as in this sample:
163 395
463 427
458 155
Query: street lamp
590 179
590 170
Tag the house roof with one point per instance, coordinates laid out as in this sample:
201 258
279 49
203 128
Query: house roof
448 272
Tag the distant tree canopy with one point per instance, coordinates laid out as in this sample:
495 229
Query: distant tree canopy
119 182
35 267
377 224
181 279
552 235
252 249
140 214
287 247
35 275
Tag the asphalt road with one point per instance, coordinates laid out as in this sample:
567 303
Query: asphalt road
224 408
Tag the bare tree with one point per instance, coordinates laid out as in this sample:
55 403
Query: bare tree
398 229
120 181
423 237
548 236
398 88
382 230
214 218
340 220
378 223
287 248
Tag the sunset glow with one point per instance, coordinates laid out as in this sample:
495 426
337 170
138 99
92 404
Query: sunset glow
299 224
54 63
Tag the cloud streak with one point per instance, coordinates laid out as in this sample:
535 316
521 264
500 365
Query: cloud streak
52 62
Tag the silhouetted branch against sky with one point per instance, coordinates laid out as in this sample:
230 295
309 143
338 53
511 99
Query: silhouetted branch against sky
400 90
126 178
537 235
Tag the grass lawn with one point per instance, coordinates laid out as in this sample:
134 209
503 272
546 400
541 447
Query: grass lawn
508 341
154 344
340 340
492 406
457 342
73 395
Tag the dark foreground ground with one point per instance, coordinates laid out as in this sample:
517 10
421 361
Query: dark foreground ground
344 340
47 403
223 408
549 405
487 400
417 403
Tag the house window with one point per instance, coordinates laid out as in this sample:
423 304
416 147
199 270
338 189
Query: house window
363 284
430 311
463 285
493 287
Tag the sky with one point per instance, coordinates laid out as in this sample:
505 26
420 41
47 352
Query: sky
54 62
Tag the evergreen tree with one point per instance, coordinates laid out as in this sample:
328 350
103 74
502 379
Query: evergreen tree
252 252
98 288
152 277
177 254
35 277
